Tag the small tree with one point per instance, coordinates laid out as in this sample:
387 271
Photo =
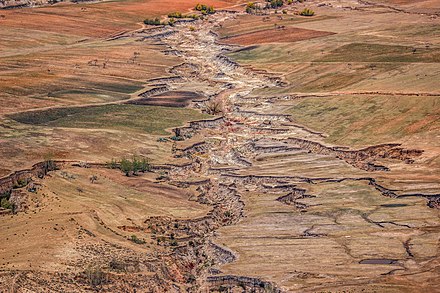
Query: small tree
135 165
126 166
144 165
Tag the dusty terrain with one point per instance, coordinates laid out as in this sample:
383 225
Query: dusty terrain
288 153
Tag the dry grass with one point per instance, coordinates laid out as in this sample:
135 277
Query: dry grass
277 35
69 205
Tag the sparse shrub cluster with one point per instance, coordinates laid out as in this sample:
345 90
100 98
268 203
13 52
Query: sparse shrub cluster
307 12
155 21
204 9
134 166
130 166
176 15
180 15
253 7
171 19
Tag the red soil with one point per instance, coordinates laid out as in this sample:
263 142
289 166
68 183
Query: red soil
284 35
98 19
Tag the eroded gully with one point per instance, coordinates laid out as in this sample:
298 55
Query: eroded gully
227 147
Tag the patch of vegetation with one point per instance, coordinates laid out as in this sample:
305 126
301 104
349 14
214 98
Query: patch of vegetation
253 7
4 203
155 21
275 3
113 164
135 165
20 183
176 138
149 119
136 240
205 9
307 12
214 107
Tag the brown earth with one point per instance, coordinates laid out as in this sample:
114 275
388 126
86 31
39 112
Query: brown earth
277 35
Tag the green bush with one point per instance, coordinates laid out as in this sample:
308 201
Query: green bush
20 183
176 15
136 240
307 12
4 203
134 165
155 21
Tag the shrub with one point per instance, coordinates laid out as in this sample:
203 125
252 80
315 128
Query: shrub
95 276
276 3
307 12
4 203
214 107
155 21
176 138
112 164
136 240
175 15
20 183
6 194
171 21
126 166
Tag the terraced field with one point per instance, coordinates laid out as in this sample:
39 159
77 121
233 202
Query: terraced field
285 153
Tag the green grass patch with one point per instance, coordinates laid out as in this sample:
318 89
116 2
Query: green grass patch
149 119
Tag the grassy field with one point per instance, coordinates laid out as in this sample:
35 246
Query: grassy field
149 119
350 120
